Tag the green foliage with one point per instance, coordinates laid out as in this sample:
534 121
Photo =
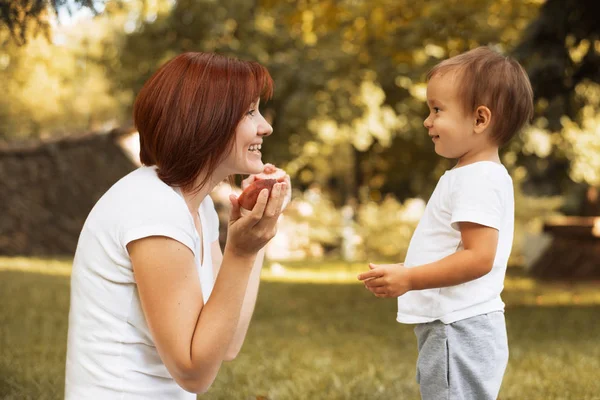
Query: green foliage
22 19
561 50
565 156
56 88
386 228
583 136
383 230
347 73
313 224
530 214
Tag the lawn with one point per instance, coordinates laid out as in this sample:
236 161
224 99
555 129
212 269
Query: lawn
317 334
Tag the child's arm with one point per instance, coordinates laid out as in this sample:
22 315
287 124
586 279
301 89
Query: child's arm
476 260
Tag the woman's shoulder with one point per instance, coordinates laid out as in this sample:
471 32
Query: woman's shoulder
140 196
143 188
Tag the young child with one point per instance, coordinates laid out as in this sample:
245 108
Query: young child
451 280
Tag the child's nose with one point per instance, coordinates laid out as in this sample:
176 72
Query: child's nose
427 123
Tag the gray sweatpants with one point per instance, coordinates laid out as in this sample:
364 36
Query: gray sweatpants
464 360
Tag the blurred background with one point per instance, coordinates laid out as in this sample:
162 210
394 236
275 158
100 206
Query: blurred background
348 116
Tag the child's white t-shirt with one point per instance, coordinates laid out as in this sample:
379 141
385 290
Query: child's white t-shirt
482 193
110 352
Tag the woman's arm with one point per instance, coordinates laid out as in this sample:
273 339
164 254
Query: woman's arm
193 338
249 299
254 281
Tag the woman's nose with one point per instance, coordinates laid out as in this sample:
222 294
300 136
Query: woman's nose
265 129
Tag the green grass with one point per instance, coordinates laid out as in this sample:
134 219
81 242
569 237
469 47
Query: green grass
317 334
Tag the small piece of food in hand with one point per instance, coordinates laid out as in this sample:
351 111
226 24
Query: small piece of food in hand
249 196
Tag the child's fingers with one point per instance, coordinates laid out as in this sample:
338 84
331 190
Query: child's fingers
375 283
368 275
378 291
374 273
370 289
363 277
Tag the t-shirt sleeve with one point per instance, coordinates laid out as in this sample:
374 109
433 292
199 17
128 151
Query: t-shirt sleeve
212 219
158 229
167 220
478 198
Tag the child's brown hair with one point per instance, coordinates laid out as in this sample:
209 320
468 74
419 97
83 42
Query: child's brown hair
495 81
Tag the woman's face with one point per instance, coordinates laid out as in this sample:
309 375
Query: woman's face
246 157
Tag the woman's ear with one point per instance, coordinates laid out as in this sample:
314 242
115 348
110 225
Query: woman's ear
483 117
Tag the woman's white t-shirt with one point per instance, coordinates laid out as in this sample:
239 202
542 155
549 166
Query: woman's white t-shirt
110 352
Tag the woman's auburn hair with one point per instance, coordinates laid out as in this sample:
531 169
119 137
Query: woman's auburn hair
187 113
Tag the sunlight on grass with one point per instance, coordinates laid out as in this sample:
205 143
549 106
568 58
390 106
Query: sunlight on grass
310 275
518 289
46 266
527 291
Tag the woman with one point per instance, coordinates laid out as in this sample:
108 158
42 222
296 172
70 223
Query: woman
156 307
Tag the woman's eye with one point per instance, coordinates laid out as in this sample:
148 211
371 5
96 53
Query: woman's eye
251 112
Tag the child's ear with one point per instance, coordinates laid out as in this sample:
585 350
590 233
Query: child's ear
483 117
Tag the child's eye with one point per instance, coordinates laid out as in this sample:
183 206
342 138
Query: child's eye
436 110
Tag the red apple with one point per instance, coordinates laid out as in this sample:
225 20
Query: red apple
249 196
266 179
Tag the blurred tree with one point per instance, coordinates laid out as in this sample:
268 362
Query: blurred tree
561 50
53 87
349 99
27 18
349 77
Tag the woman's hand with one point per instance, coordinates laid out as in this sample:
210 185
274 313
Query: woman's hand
249 232
288 196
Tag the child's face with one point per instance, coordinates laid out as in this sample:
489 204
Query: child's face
450 128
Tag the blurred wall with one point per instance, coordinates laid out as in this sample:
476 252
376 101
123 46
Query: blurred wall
48 189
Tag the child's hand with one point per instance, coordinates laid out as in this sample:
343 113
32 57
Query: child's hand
386 280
